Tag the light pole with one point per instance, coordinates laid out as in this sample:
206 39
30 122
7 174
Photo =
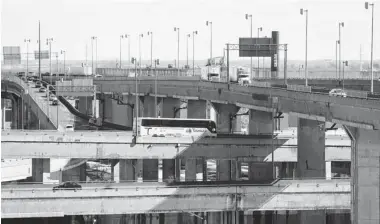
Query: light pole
210 23
187 50
247 16
194 33
340 46
129 49
345 63
336 58
151 48
27 41
306 70
64 62
48 42
92 53
258 58
140 36
121 37
177 29
373 7
133 60
156 62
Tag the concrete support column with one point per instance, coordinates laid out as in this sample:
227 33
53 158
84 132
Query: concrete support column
214 217
260 122
168 107
168 169
312 217
2 112
39 167
14 114
191 170
198 109
257 217
224 123
127 170
292 121
311 149
85 104
225 170
150 170
149 108
77 174
260 171
365 169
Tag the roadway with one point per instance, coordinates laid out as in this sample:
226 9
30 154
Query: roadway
351 111
42 201
118 145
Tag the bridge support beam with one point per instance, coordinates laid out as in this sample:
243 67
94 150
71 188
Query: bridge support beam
39 167
365 166
149 108
311 149
312 217
198 109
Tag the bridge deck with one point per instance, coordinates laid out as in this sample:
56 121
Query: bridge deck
156 198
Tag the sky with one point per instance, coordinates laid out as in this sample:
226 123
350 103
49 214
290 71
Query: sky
71 23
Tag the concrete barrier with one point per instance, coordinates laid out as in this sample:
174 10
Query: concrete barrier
261 84
299 88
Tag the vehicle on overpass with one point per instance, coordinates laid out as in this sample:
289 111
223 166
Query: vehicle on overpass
38 84
338 92
174 127
69 127
42 90
68 186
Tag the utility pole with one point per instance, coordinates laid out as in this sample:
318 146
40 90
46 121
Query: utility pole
39 50
194 33
48 42
177 29
27 41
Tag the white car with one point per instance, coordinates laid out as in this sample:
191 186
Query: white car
338 92
98 76
69 127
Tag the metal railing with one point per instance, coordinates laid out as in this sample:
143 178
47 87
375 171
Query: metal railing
27 89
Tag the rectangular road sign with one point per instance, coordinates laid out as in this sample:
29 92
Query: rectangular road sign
12 55
256 47
44 55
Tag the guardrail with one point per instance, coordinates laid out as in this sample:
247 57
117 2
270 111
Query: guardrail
43 105
299 88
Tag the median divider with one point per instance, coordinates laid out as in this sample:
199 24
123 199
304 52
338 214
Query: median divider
299 88
261 84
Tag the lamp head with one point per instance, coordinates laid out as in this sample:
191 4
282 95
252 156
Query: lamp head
342 24
157 61
196 32
366 5
301 11
246 16
261 29
175 28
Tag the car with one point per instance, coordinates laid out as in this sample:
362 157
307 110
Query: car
38 84
98 76
55 102
69 185
338 92
69 127
42 90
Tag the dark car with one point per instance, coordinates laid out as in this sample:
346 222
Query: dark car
38 84
55 102
68 186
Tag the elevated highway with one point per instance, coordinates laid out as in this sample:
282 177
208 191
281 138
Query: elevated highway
350 111
119 145
102 199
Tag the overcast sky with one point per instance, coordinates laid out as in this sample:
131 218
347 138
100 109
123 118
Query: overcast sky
72 22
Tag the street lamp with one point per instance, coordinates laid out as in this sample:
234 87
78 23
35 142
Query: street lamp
187 50
151 48
247 16
345 63
64 62
306 14
121 37
341 24
133 60
48 42
27 41
336 58
156 62
373 6
210 23
177 29
258 58
194 33
92 52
